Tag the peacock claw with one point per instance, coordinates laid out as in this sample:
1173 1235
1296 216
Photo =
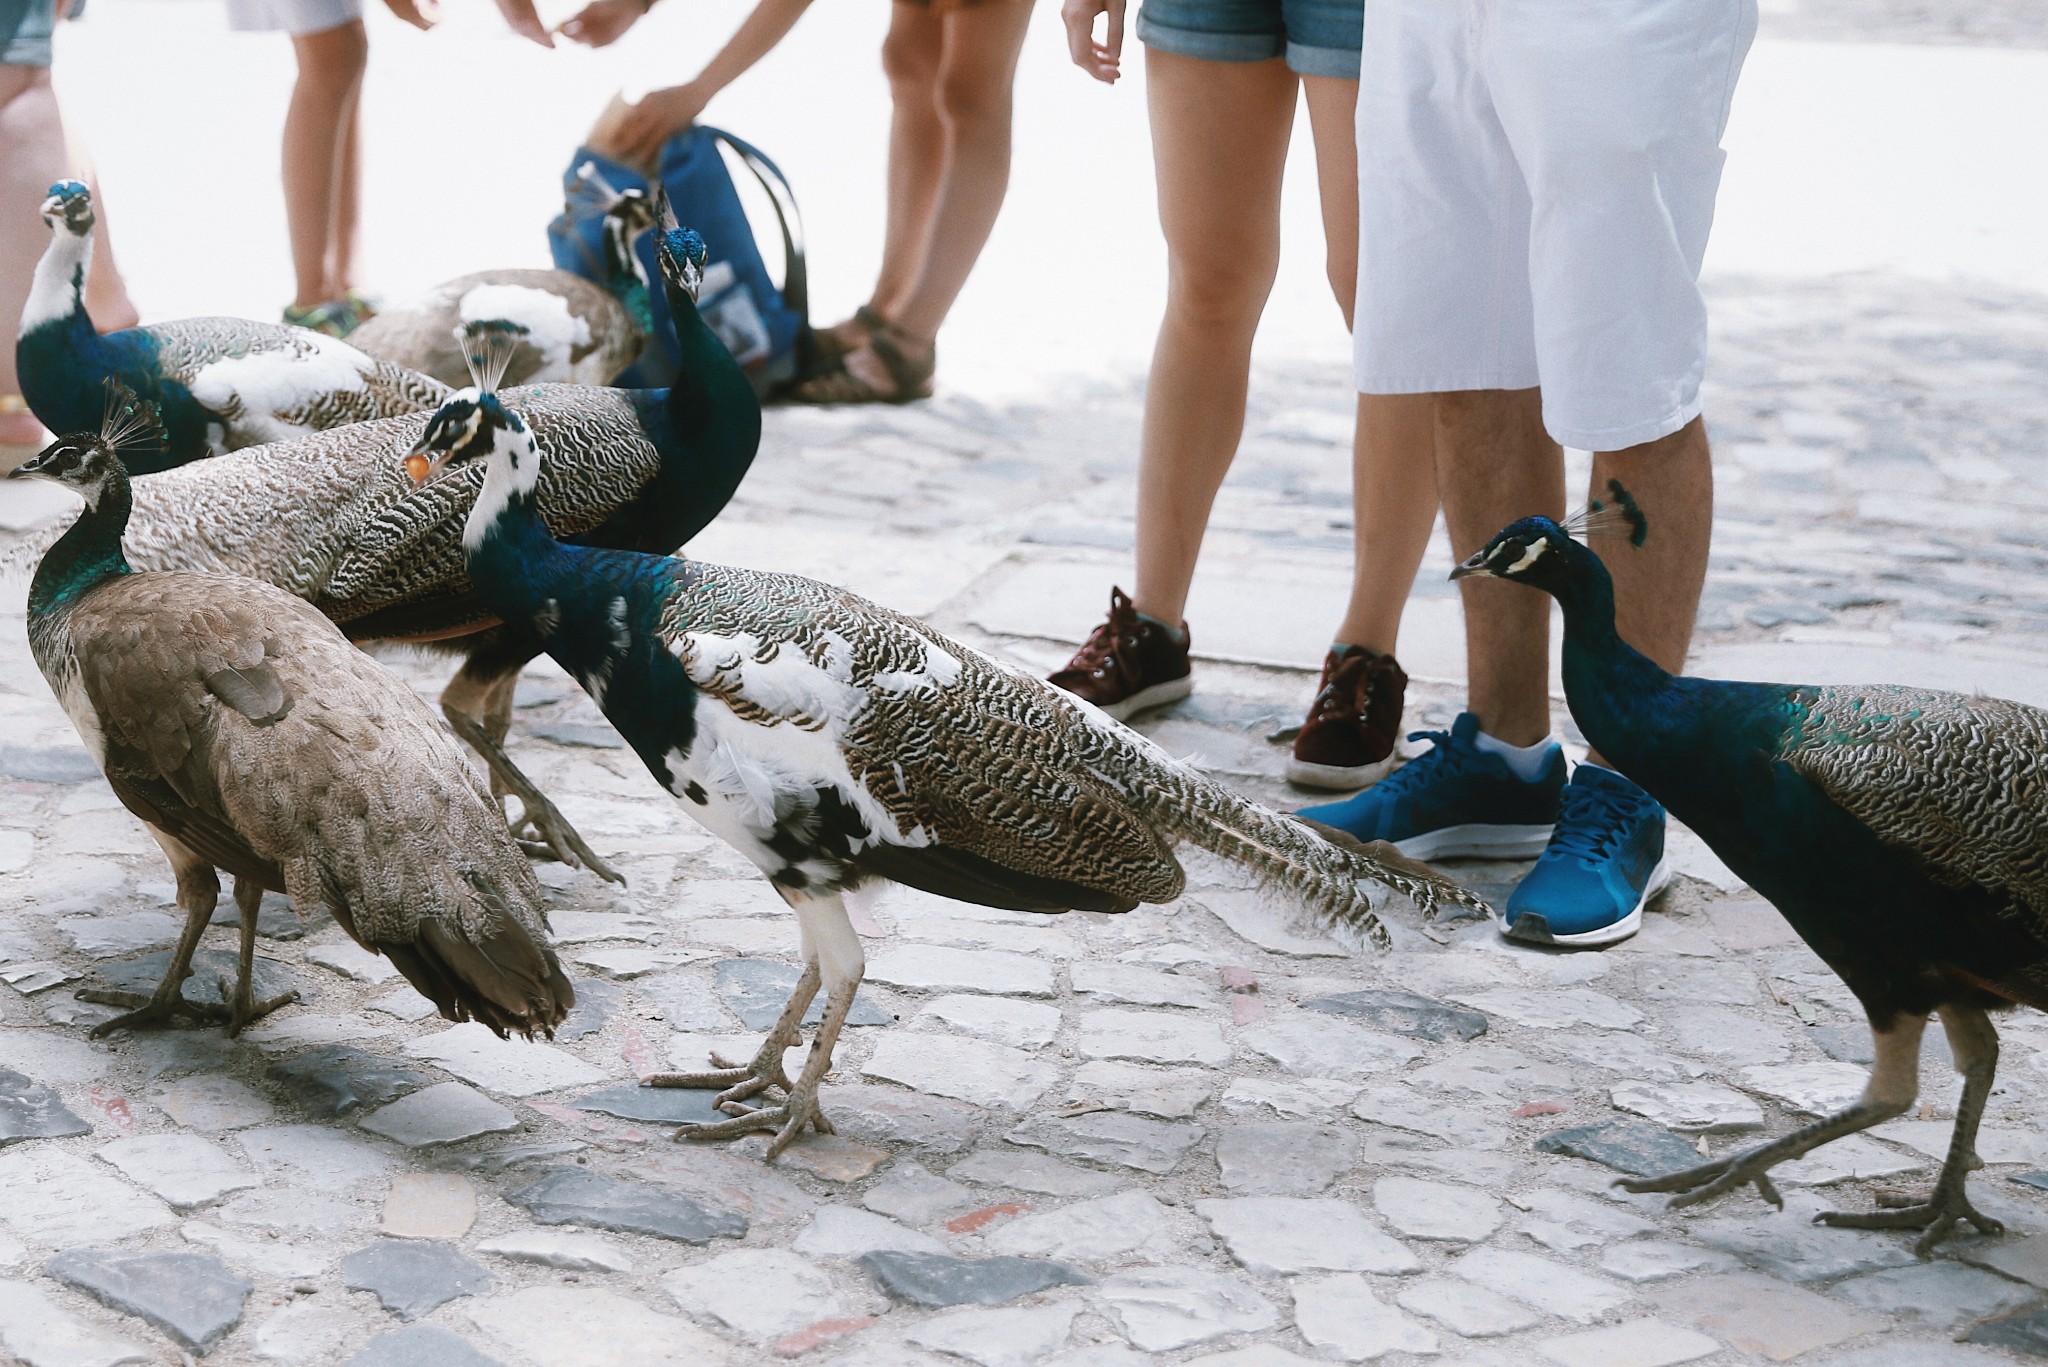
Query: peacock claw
244 1007
1709 1180
787 1120
149 1010
544 833
1938 1215
737 1081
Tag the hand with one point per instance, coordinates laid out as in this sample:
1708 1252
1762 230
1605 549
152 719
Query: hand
421 14
659 115
1097 59
601 22
521 19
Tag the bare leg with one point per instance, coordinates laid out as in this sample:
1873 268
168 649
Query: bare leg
342 233
478 705
31 157
331 64
832 952
1894 1082
1657 584
241 998
1974 1043
741 1081
1219 140
1495 463
1393 493
917 148
198 894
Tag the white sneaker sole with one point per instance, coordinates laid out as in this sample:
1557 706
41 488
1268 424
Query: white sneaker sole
1477 842
1336 778
1621 930
1158 695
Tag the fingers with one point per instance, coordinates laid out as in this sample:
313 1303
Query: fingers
520 18
1099 60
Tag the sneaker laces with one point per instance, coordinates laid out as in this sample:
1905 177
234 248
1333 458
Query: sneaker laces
1101 647
1442 755
1593 821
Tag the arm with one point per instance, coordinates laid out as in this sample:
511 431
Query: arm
664 112
1099 60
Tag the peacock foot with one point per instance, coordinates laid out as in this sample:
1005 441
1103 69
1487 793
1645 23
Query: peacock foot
544 833
739 1081
786 1119
1937 1215
244 1007
1717 1178
150 1010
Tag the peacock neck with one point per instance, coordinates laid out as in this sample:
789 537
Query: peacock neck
56 298
712 406
87 555
512 556
1619 697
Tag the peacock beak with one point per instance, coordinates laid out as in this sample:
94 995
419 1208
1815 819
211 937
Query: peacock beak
423 463
1475 567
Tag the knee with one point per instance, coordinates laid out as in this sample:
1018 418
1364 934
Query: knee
911 65
336 59
973 102
1221 287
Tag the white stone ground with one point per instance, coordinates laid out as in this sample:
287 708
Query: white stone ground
1230 1176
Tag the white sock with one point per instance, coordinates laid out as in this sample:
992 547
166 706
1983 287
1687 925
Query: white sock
1526 761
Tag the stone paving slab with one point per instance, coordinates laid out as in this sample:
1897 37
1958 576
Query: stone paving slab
1197 1133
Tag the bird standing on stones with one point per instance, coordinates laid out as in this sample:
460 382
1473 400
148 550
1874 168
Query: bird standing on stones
578 331
220 384
1903 832
250 736
332 519
833 743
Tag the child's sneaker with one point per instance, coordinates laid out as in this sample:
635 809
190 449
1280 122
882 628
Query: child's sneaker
1605 861
1129 663
1348 740
1456 800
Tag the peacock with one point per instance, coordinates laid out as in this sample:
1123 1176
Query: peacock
833 743
331 519
220 383
1901 831
578 331
250 736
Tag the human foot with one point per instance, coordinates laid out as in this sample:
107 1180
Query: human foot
889 366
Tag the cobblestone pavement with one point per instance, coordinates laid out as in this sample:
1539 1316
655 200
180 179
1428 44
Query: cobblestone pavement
1188 1134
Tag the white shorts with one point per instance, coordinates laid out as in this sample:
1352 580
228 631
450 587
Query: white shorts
293 16
1536 183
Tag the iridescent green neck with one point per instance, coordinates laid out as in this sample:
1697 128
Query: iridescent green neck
87 555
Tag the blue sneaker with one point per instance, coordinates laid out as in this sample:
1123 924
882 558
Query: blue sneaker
1604 863
1455 800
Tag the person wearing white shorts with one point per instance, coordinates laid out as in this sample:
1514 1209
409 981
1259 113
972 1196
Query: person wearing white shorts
1537 181
291 16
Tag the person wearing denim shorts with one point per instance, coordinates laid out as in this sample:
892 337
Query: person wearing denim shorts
1223 79
1539 180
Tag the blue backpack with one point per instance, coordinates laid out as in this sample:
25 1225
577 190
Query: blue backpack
766 329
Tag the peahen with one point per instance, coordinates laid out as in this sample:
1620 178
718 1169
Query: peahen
578 331
252 737
833 742
220 383
1901 831
332 519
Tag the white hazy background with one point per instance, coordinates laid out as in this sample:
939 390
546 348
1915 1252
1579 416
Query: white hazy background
1842 157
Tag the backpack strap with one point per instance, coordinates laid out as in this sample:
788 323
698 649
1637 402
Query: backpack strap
796 288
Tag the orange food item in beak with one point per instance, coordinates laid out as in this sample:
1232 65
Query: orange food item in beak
417 466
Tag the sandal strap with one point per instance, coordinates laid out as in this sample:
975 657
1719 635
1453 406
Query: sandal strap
912 373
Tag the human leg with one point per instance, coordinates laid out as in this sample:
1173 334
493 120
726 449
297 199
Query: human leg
911 54
343 228
316 134
31 157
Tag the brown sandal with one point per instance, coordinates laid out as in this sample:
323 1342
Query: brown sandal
829 344
909 372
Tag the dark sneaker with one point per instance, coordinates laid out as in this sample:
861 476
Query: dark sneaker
1455 800
1603 864
1128 664
1348 740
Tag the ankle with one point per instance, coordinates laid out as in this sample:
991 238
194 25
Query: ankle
1527 762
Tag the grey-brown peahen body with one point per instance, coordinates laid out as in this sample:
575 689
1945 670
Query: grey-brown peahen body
834 743
251 736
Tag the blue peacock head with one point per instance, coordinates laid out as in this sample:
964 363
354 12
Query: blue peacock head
681 254
473 423
1542 554
69 205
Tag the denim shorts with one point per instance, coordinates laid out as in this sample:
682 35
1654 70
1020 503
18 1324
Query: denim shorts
25 27
1317 37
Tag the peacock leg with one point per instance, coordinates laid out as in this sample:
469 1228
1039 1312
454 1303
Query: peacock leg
742 1081
1894 1082
833 952
198 894
1974 1042
241 998
478 705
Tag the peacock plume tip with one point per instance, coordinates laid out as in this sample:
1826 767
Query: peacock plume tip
70 189
488 345
685 244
